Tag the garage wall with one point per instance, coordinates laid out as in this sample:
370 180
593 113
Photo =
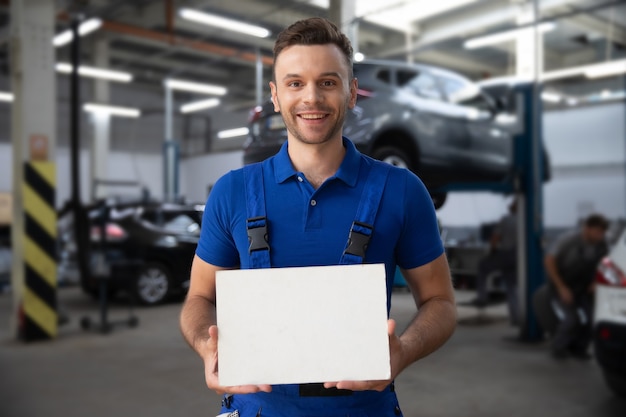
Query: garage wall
589 158
198 174
145 169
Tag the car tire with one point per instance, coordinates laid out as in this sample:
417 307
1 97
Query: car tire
393 156
399 158
616 382
154 284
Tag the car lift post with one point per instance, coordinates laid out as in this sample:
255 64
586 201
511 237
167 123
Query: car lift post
529 155
526 183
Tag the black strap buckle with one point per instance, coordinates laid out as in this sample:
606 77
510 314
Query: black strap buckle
257 234
358 241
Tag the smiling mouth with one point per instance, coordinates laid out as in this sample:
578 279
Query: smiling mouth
316 116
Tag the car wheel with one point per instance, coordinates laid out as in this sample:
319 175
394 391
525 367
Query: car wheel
616 382
393 156
153 284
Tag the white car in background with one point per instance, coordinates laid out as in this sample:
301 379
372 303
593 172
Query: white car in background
609 329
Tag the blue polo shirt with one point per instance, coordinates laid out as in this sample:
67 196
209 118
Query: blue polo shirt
309 227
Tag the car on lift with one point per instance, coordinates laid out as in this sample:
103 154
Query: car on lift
609 330
146 252
432 121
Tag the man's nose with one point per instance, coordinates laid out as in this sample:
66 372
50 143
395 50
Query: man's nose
312 94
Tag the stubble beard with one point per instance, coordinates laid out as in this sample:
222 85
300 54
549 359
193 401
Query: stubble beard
291 122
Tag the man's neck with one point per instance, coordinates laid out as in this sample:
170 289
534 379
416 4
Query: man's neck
317 162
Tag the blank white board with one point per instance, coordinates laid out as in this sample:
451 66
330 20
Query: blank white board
302 325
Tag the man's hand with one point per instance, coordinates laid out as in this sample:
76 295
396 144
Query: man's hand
396 358
566 295
209 354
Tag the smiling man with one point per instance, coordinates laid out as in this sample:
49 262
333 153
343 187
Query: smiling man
311 199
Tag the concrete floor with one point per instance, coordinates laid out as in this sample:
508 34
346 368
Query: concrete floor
150 371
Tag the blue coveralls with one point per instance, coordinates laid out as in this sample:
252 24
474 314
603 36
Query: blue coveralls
310 227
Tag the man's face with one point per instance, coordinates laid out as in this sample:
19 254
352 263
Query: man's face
594 234
313 92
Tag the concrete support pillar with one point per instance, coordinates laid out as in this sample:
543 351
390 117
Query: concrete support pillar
529 45
33 82
101 125
343 14
259 77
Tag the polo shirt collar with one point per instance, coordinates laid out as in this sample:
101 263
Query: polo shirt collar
348 171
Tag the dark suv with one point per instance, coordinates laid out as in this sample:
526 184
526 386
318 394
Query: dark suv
432 121
147 251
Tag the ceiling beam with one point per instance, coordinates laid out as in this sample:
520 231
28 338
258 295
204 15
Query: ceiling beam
160 38
610 30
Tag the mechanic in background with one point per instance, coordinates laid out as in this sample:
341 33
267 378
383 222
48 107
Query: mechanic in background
570 266
502 257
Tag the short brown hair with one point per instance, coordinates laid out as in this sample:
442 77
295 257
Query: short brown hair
314 31
597 221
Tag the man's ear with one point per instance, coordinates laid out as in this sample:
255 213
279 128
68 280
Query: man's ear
354 85
274 97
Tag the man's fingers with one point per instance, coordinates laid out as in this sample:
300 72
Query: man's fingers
391 327
213 332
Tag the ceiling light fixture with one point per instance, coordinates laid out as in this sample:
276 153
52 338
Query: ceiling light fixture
85 28
224 23
232 133
112 110
603 69
93 72
506 36
200 105
5 96
550 97
195 87
606 69
398 15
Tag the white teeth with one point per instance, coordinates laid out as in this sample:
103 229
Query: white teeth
312 116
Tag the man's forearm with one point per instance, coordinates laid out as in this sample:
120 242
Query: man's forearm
552 272
432 327
197 315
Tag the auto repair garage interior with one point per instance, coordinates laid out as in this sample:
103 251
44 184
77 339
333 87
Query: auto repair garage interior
117 117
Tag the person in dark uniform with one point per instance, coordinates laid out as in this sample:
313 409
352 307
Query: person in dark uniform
502 257
312 192
570 266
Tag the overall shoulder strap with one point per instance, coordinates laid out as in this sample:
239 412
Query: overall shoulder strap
363 226
256 222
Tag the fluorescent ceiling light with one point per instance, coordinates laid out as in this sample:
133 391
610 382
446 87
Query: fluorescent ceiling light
606 69
93 72
4 96
550 97
603 69
224 23
112 110
200 105
398 15
232 133
506 36
85 28
195 87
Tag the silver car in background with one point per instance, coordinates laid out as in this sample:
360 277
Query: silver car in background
432 121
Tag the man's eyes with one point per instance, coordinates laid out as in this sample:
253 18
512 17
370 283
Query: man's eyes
325 83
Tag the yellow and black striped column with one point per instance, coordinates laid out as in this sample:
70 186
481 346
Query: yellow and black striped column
38 313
